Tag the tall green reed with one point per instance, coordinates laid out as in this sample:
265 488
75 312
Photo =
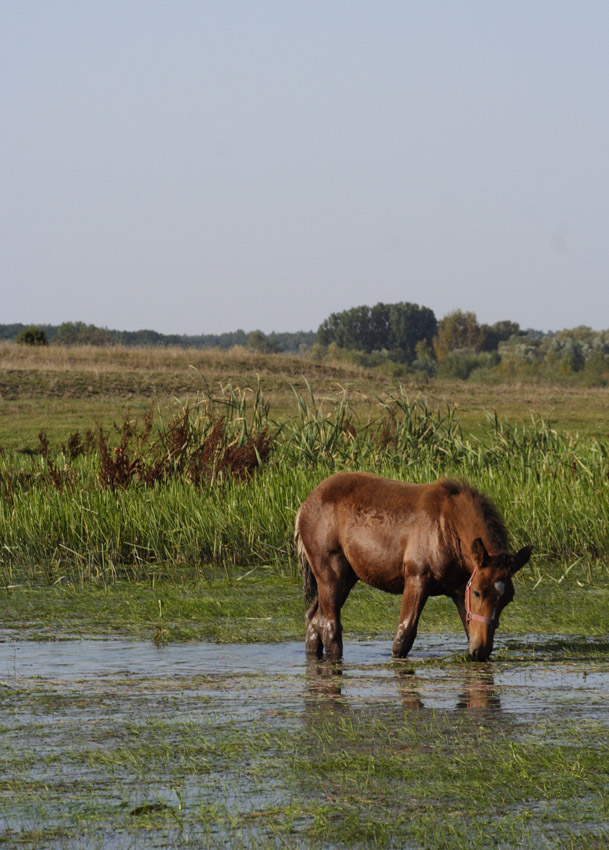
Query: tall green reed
221 502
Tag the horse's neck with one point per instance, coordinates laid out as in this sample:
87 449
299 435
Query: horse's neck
468 523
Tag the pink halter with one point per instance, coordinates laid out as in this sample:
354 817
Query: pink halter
490 621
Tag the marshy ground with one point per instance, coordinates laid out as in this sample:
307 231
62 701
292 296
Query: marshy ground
122 743
154 690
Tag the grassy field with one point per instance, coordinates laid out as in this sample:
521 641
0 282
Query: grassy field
178 528
262 606
133 486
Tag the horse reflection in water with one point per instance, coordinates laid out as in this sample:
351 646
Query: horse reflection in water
475 687
417 540
324 679
478 690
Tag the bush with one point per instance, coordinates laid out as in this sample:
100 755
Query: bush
32 336
461 364
596 371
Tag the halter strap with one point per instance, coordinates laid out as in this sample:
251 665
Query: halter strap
469 615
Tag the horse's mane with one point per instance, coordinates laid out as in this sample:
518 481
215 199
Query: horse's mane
483 506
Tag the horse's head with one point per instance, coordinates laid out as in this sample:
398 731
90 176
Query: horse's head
488 591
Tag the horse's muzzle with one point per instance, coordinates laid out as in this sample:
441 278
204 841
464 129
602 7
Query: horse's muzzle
480 653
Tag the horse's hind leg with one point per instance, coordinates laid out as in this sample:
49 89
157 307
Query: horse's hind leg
313 642
335 578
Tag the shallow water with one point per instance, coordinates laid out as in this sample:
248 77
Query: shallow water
96 731
525 686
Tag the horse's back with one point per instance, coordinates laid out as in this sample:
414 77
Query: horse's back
364 515
358 491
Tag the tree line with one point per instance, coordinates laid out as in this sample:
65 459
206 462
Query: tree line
398 330
401 338
80 333
406 339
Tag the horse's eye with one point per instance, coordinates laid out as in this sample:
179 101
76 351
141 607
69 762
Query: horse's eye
476 594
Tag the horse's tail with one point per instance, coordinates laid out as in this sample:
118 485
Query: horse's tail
309 582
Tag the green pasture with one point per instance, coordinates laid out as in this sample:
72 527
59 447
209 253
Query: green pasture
259 605
61 389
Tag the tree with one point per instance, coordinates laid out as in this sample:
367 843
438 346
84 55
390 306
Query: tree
79 333
492 335
395 328
410 325
32 336
457 330
258 341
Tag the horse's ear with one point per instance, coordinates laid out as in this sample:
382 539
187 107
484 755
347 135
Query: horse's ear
479 553
521 558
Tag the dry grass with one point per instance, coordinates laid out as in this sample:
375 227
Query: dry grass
62 389
118 358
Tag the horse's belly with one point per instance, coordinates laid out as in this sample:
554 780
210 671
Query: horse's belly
378 565
391 581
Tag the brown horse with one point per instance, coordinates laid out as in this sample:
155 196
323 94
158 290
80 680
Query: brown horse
419 540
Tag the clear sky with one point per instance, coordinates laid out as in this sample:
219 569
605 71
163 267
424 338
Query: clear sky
199 166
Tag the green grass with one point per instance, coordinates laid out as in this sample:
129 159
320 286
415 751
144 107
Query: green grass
456 786
262 606
89 521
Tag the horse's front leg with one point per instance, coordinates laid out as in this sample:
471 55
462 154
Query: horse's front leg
459 600
416 591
